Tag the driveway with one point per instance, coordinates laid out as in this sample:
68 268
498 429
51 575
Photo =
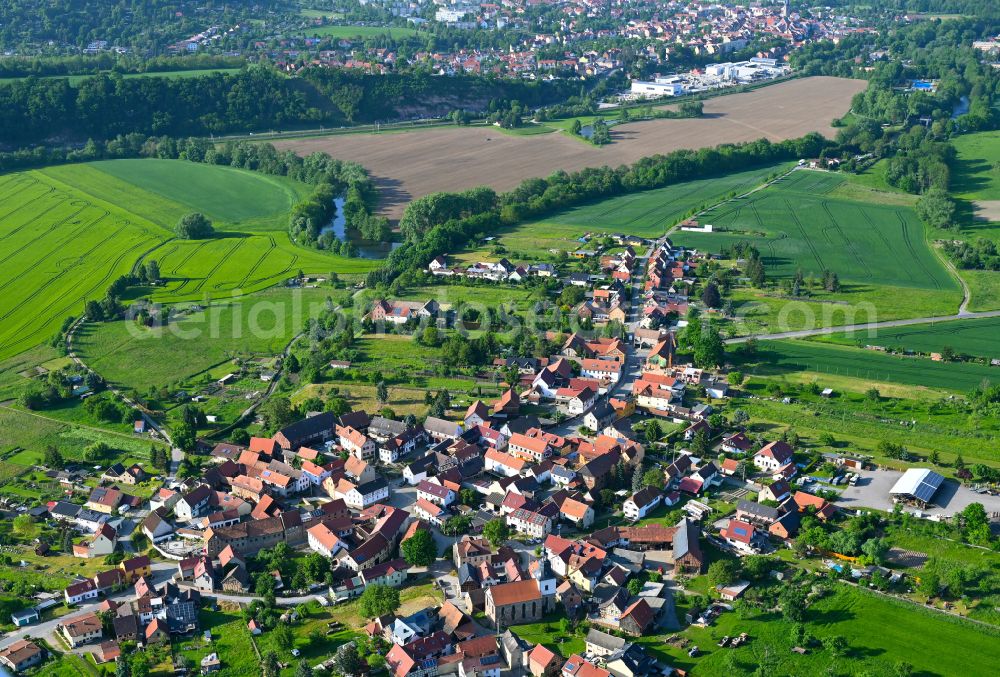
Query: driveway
872 491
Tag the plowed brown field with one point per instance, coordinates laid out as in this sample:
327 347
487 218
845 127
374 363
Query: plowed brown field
407 165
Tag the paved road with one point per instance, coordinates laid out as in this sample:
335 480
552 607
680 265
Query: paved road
822 331
162 571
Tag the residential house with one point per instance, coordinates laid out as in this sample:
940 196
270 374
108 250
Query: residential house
577 512
80 630
440 429
21 655
773 456
641 503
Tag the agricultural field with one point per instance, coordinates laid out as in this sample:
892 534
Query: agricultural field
782 357
410 164
798 223
59 248
66 232
648 214
261 324
977 338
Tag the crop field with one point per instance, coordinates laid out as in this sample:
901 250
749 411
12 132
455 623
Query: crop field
227 196
970 337
797 223
415 163
782 357
66 232
647 214
58 248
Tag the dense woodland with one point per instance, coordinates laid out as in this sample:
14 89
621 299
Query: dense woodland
36 110
144 25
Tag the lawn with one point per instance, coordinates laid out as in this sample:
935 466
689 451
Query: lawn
138 358
781 357
647 214
977 338
801 223
66 232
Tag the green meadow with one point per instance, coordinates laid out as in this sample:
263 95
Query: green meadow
977 338
259 325
66 232
647 214
791 356
976 176
802 222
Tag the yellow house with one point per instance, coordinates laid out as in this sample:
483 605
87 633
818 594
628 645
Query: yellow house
585 575
136 567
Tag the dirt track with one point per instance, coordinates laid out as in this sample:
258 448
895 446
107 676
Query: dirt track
410 164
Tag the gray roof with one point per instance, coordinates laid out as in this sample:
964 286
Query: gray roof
432 424
758 509
604 640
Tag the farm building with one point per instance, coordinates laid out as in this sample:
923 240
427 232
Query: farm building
917 485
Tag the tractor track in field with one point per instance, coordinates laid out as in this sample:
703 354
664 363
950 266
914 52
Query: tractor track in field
109 272
194 250
913 253
272 245
221 262
805 236
35 217
848 243
48 231
882 237
56 277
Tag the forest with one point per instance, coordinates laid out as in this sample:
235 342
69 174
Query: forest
258 98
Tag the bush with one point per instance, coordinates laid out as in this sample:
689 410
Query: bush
194 226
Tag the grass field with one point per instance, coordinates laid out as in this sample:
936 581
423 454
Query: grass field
647 214
799 222
781 357
977 338
33 432
66 232
139 358
976 176
879 633
224 194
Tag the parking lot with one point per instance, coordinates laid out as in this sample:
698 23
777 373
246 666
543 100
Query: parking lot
872 491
